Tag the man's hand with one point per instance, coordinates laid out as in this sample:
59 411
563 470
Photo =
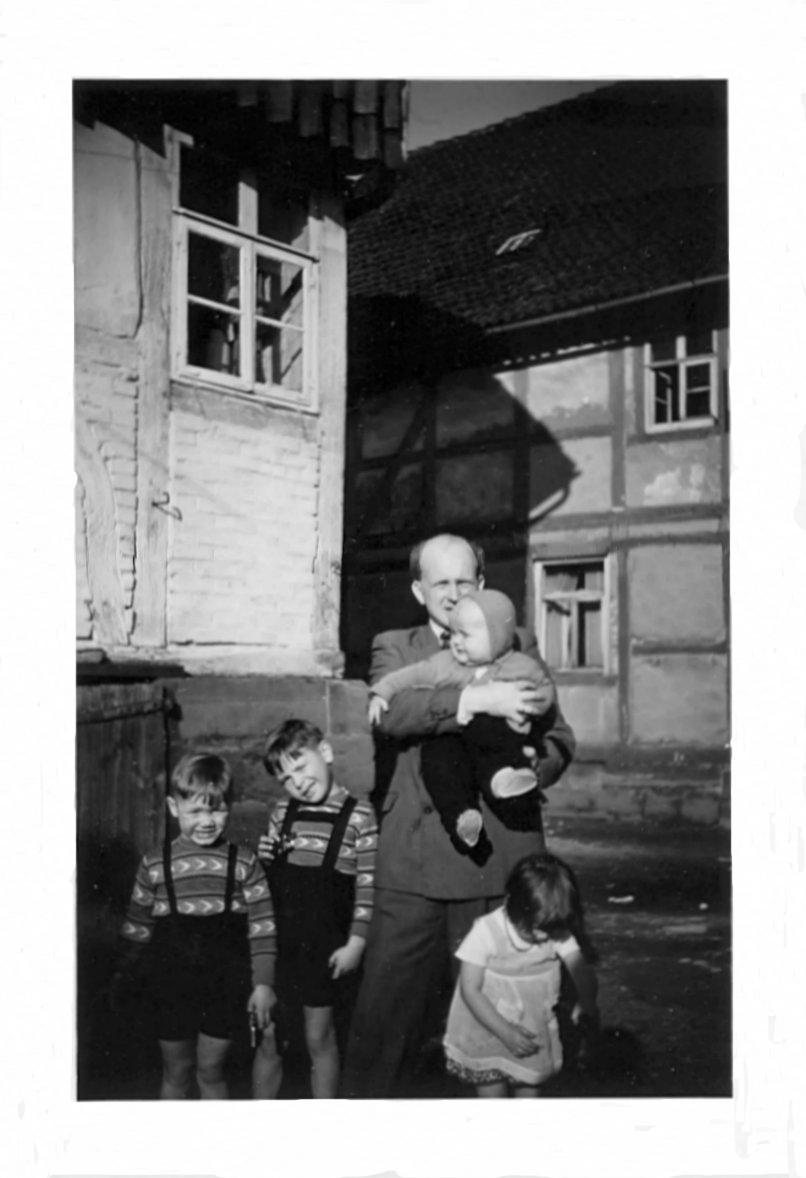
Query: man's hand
260 1004
513 702
346 959
377 706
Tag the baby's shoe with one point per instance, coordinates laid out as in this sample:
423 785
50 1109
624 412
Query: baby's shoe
468 827
511 783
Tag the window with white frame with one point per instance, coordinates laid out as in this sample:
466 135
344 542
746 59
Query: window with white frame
572 599
681 389
245 284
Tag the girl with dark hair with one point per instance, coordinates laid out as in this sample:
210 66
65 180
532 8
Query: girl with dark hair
502 1034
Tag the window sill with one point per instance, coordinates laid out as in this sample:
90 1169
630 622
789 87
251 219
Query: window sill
704 424
580 677
193 384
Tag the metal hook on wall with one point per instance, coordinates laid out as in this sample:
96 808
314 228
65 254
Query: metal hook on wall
163 503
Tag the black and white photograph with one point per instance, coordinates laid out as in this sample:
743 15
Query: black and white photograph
355 382
427 470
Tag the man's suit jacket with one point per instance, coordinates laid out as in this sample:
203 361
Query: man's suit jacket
414 852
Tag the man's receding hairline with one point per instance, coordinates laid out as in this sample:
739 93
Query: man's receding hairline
448 540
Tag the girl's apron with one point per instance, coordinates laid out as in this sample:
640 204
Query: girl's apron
524 987
313 909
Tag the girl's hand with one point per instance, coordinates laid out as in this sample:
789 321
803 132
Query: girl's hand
260 1004
377 706
519 1041
346 959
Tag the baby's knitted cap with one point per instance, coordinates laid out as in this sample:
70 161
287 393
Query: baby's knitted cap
499 614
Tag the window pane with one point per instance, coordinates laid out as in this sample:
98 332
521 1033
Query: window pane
213 340
698 390
664 350
700 344
279 357
698 404
698 376
213 269
208 185
563 580
593 578
665 403
279 290
590 638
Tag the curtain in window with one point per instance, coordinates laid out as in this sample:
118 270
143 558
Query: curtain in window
591 652
556 624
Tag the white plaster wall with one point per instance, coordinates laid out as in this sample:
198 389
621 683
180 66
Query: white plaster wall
574 391
106 391
679 699
663 474
676 592
591 489
591 710
105 180
240 563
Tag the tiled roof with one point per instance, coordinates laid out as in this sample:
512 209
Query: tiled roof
627 186
353 126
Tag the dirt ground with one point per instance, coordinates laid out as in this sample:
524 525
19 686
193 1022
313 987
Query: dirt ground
658 904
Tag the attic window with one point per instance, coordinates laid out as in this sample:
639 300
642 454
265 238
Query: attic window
518 241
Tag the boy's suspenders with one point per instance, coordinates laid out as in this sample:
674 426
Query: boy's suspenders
337 834
232 856
339 821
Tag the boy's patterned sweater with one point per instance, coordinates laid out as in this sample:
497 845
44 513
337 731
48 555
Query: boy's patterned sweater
200 881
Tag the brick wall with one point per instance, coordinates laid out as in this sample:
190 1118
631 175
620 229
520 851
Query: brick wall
240 563
232 715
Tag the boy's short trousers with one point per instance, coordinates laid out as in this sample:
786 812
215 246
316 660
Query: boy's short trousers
304 976
186 1006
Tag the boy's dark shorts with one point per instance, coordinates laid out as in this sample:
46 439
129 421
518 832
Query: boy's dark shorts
184 1007
304 976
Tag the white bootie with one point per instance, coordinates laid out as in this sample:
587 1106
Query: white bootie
468 827
511 783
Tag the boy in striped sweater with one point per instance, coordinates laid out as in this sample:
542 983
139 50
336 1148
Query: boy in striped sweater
200 908
320 848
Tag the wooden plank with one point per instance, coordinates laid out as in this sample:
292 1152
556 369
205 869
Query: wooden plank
332 379
108 701
153 472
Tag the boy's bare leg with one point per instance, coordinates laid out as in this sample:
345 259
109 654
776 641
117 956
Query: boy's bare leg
178 1062
210 1059
320 1039
267 1067
492 1090
527 1091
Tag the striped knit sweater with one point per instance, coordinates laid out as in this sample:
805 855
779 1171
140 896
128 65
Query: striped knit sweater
200 884
356 855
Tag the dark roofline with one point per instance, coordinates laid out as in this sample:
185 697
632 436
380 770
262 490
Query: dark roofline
594 308
556 110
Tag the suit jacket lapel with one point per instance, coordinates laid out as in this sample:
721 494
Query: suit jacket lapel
424 642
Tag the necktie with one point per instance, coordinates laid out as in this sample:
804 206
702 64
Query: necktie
445 639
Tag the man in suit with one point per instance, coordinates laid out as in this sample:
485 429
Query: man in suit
428 894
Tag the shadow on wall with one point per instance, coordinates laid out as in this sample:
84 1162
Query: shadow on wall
437 443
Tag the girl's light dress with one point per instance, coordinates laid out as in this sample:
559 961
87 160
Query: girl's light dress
522 981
